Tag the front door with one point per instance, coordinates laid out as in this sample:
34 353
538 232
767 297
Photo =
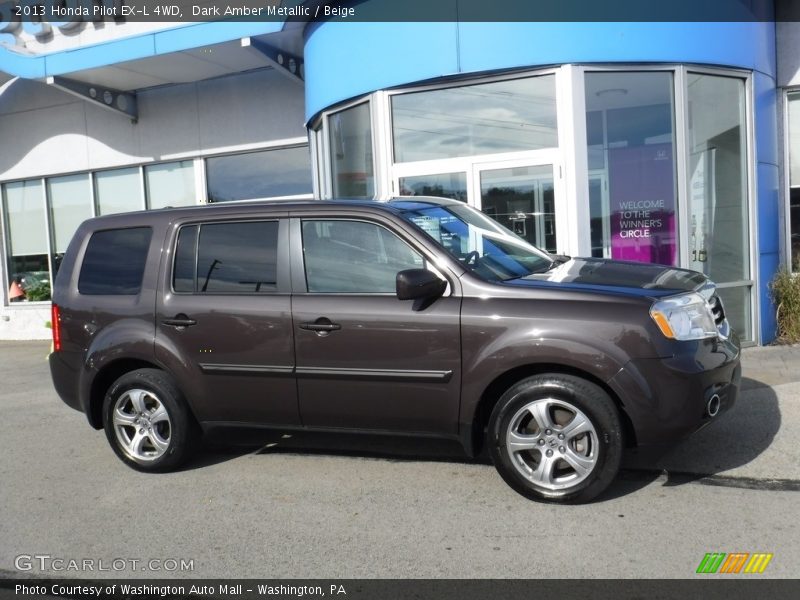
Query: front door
366 360
522 197
224 323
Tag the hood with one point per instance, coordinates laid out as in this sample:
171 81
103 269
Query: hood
614 276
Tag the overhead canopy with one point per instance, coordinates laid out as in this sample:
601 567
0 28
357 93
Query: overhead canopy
181 54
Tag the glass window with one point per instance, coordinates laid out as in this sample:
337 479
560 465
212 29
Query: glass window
444 185
184 274
523 200
794 180
170 184
233 257
718 223
114 262
354 257
267 174
481 244
486 118
70 200
28 267
350 136
631 149
118 191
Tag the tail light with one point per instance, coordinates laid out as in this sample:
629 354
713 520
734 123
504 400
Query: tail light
55 321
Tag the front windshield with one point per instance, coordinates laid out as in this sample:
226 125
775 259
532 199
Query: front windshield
481 244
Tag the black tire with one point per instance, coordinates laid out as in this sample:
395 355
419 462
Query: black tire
556 396
152 388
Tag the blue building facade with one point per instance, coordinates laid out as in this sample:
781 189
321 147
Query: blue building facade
647 141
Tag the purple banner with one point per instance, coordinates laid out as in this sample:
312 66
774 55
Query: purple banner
642 195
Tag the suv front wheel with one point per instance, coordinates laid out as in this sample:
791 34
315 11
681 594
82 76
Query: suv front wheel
147 421
556 437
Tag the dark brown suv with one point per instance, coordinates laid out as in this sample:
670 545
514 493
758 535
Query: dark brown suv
419 315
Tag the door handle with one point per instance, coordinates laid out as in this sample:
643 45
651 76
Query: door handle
179 321
321 325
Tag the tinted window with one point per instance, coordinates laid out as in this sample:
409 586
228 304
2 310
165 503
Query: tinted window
231 258
183 276
272 173
114 262
354 257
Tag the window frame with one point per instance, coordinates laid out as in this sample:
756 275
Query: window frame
284 145
85 251
298 259
4 246
465 82
786 205
281 278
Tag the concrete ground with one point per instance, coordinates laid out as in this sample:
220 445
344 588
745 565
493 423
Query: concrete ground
327 506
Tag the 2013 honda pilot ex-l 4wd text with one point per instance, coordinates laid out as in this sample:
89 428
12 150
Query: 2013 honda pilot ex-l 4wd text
418 315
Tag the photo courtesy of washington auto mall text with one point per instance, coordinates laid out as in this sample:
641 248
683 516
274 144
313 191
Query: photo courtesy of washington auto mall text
250 589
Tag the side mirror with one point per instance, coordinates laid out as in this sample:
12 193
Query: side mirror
419 284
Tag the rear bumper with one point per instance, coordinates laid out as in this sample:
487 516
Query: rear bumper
667 399
65 378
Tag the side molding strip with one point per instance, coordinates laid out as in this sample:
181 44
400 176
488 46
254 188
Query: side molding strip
396 374
264 369
333 373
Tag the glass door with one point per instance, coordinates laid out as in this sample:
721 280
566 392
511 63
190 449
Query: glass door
521 197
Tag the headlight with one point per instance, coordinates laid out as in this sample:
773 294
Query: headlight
684 317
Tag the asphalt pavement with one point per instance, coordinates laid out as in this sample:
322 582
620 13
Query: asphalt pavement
324 506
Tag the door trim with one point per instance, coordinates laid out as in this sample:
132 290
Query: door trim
265 369
373 374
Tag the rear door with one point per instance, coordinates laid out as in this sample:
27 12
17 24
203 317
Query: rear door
366 360
224 321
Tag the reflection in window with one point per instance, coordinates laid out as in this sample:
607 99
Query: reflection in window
631 150
523 200
444 185
184 273
354 257
487 118
350 135
478 242
28 269
236 257
267 174
719 243
717 172
114 262
70 201
118 191
794 179
170 184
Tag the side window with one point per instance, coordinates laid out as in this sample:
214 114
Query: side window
227 258
354 257
114 262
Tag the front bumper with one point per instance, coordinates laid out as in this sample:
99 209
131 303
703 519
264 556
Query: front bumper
667 399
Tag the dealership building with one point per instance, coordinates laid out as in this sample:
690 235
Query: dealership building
666 142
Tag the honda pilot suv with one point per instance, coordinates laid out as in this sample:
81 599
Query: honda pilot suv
418 316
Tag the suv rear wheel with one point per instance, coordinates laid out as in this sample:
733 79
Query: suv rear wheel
556 437
147 421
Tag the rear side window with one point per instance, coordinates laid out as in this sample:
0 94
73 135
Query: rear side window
227 258
114 262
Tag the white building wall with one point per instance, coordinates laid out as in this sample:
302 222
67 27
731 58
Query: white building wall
48 132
